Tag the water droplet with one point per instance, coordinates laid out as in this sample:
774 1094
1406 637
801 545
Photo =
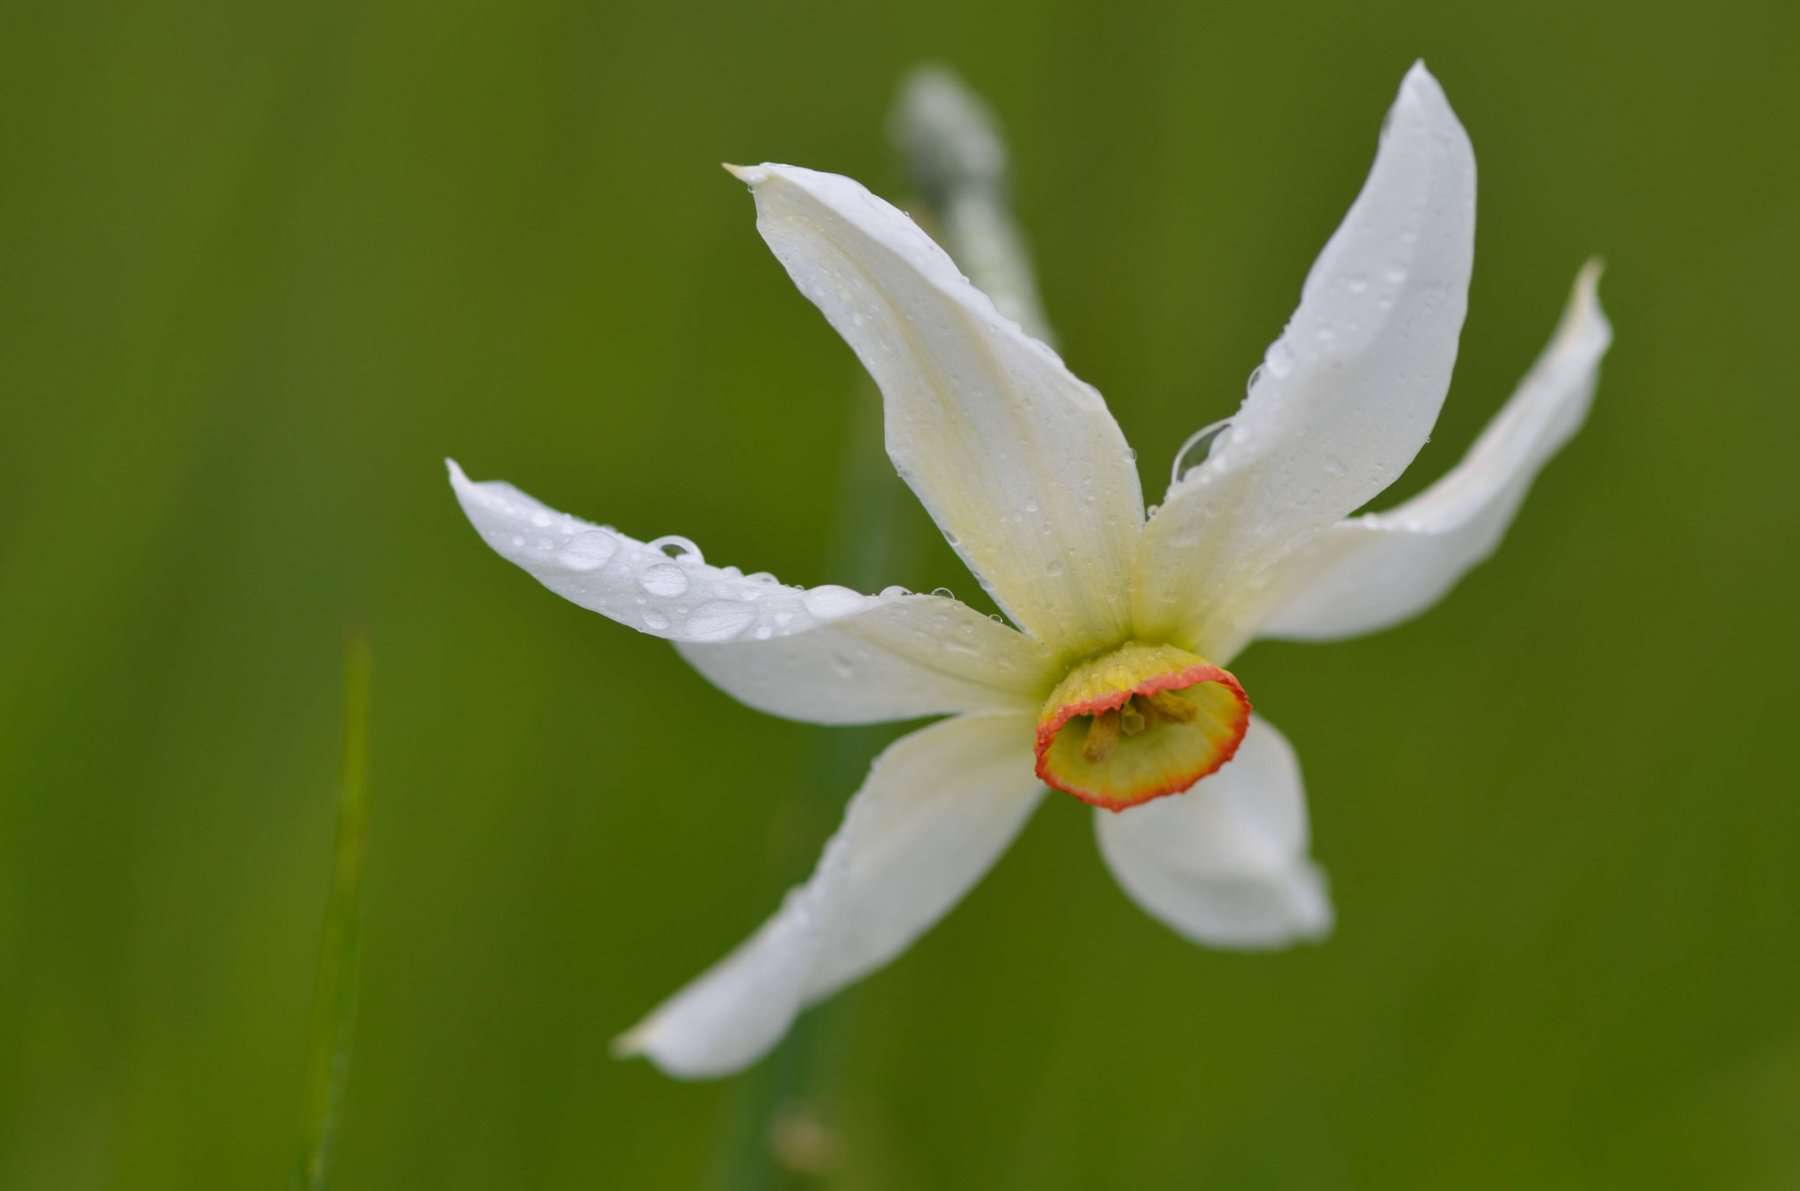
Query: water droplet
589 552
895 589
541 519
831 601
1279 360
764 632
1250 383
718 620
1356 283
1201 438
1395 273
656 622
518 540
945 592
664 580
678 547
843 665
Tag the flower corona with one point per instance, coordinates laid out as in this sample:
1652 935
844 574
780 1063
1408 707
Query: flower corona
1139 722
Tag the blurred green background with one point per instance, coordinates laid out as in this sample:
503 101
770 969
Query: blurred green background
263 266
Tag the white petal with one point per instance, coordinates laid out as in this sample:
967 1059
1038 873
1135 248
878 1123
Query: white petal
903 656
1346 397
824 653
1377 570
1225 864
938 808
1019 462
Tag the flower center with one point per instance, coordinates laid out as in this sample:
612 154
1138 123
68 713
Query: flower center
1137 723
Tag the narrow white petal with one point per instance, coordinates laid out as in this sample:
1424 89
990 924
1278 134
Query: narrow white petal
1346 397
938 808
825 653
1374 571
1225 864
903 656
1020 463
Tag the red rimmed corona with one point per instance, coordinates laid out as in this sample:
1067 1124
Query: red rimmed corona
1139 722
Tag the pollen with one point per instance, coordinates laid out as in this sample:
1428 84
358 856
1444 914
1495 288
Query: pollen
1139 722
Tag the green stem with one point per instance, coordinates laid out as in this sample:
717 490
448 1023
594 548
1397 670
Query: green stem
955 160
340 951
798 1072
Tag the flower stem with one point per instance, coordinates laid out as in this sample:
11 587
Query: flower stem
957 162
780 1130
795 1080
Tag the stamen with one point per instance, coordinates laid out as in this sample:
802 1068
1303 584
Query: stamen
1131 720
1170 706
1102 736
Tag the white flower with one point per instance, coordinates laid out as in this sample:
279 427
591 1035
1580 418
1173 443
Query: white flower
1111 687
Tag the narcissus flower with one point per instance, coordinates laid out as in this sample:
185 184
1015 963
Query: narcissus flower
1112 687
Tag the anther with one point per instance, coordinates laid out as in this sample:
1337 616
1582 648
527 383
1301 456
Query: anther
1102 736
1131 720
1171 706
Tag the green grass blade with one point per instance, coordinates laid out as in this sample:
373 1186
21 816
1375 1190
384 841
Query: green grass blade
340 951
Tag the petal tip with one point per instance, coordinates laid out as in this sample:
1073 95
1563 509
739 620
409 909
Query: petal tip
1420 83
1587 281
750 175
633 1043
1584 309
1421 92
1315 916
